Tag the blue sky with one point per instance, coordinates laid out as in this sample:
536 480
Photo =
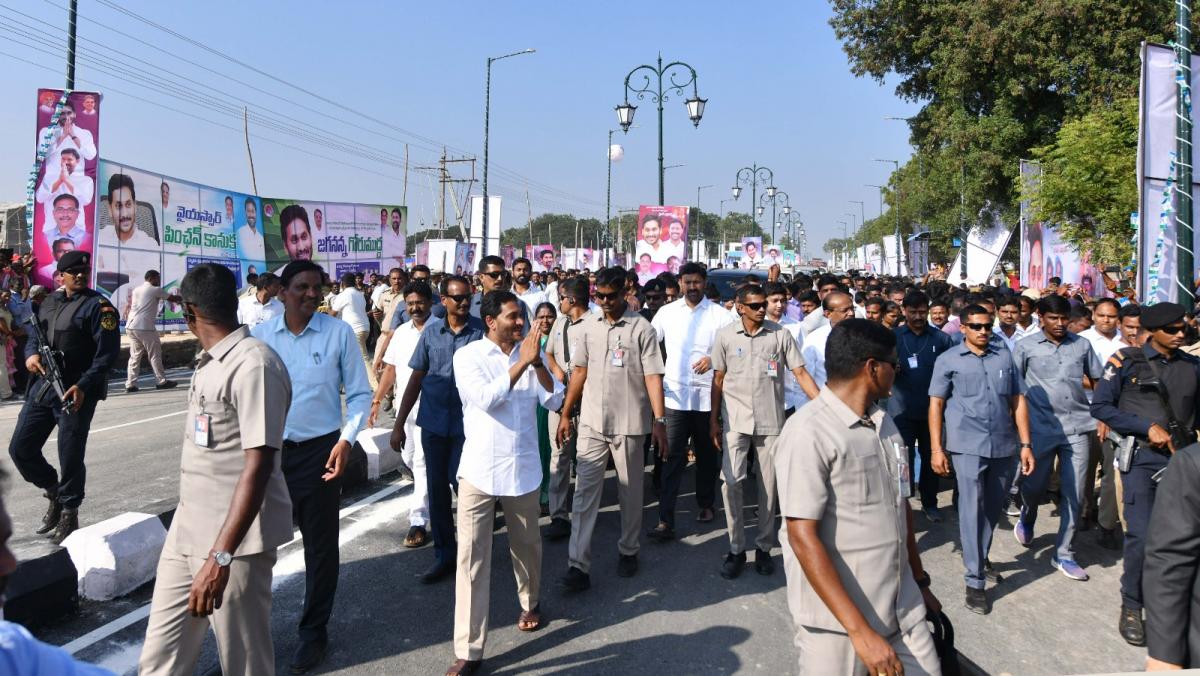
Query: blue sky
779 90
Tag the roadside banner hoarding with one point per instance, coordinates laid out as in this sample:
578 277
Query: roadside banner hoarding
1158 278
985 246
509 253
752 253
579 259
541 256
773 255
464 258
1045 255
662 236
147 221
64 189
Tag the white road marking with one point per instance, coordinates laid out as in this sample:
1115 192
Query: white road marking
288 565
128 424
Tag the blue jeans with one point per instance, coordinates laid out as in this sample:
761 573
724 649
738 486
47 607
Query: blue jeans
1072 453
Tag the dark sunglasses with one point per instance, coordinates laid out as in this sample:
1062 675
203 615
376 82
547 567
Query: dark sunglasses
1174 330
460 298
188 314
755 307
608 296
76 272
494 275
987 328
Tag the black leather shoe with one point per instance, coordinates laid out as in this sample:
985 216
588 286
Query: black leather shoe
661 533
763 565
558 529
437 571
67 524
733 565
1132 627
53 513
308 655
1108 538
166 385
627 565
576 580
977 601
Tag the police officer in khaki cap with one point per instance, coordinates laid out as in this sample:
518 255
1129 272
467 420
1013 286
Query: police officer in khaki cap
856 588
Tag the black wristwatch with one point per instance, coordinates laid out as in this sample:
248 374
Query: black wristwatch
1024 445
923 582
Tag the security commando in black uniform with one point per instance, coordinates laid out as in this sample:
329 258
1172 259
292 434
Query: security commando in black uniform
80 327
1148 393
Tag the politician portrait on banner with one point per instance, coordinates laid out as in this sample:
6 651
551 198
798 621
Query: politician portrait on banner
661 239
64 215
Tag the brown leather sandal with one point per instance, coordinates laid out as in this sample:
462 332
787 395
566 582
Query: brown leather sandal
530 616
464 667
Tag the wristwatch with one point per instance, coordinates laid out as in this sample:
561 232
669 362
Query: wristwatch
661 420
223 559
1026 445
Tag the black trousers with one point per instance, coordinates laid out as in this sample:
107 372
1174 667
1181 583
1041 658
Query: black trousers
34 426
915 433
682 426
315 508
441 474
1139 491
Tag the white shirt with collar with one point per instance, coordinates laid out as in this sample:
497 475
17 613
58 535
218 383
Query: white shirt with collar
252 313
500 454
793 396
687 334
1009 341
351 307
250 243
143 308
813 352
1104 347
399 351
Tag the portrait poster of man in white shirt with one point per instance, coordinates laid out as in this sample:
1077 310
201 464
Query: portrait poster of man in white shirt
395 236
249 236
68 180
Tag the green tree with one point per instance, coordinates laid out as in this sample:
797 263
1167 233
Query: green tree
1088 182
996 79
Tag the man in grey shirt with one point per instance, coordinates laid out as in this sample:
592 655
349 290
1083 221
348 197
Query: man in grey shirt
1054 364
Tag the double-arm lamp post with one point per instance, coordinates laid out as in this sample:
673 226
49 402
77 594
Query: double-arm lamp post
754 176
774 200
658 94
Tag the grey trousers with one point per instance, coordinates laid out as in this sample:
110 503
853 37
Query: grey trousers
560 469
982 490
594 449
734 459
1072 454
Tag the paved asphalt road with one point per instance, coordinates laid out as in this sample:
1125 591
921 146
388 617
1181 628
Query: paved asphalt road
677 616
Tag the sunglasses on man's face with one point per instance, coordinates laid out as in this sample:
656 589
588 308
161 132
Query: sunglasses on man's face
608 296
1174 330
494 275
754 307
987 328
459 299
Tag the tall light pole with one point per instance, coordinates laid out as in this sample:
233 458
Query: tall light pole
1185 275
754 176
881 189
487 113
695 105
862 213
774 200
696 226
896 208
615 153
722 207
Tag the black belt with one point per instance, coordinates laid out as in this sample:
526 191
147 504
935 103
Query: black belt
288 443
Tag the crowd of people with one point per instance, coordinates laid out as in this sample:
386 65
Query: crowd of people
840 397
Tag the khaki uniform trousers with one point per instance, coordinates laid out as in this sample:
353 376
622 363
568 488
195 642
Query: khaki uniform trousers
242 624
473 579
560 469
591 461
734 460
831 652
144 342
372 377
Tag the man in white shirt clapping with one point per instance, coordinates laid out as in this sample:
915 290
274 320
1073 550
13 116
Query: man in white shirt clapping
500 386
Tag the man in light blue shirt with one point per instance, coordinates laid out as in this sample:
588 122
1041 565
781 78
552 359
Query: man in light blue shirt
322 357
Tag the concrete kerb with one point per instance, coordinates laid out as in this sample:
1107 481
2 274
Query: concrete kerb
117 555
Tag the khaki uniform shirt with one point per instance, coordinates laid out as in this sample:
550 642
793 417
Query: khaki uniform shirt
557 346
244 387
834 468
755 367
618 357
389 302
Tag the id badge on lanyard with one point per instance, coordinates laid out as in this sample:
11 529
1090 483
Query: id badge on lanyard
618 355
202 430
902 471
772 368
